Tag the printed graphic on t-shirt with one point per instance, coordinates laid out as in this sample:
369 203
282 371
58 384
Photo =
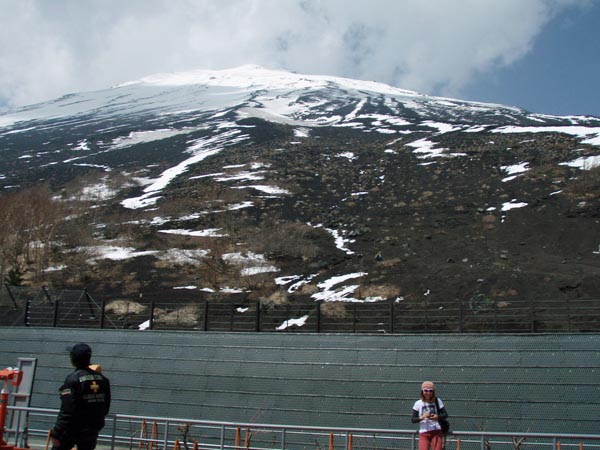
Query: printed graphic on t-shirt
429 408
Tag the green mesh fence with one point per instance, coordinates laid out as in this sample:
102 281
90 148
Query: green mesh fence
528 383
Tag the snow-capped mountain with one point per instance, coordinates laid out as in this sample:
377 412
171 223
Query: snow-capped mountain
161 106
348 169
291 98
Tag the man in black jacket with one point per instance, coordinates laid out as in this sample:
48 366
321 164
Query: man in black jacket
85 401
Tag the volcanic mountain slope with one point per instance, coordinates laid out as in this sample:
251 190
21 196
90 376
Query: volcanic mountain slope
284 186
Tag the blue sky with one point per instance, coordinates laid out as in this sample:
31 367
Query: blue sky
542 55
561 75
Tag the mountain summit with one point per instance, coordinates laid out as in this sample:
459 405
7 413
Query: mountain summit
315 100
282 185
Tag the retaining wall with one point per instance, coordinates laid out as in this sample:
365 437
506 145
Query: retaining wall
536 383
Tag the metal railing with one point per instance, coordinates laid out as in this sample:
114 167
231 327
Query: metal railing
131 432
199 311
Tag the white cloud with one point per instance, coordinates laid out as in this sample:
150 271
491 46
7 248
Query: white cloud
435 46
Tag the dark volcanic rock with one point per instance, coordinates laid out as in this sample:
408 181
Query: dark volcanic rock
348 183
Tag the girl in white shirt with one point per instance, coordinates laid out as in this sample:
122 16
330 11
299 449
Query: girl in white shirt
427 414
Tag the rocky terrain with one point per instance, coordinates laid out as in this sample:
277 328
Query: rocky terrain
347 193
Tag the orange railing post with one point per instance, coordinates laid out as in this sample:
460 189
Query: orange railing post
350 439
238 437
247 440
48 438
154 435
145 441
330 441
143 435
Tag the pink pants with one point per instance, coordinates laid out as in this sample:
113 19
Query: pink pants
431 439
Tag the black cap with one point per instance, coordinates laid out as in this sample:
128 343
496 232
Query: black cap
81 354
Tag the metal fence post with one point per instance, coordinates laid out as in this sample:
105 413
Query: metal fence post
166 440
568 315
257 325
319 316
102 312
205 324
27 309
114 433
532 315
495 317
151 318
392 316
55 318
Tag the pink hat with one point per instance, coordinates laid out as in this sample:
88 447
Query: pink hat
428 385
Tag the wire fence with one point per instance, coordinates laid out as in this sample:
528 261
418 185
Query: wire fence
207 312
